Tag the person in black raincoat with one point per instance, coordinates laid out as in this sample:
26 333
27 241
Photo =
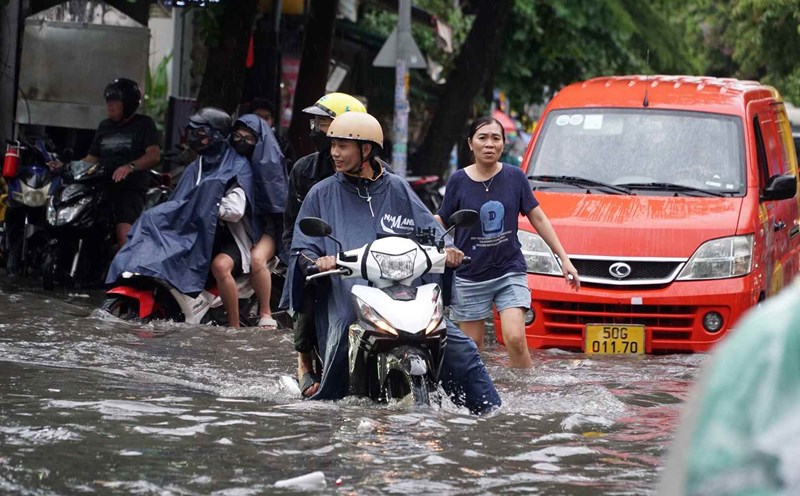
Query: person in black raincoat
208 223
307 172
360 202
252 138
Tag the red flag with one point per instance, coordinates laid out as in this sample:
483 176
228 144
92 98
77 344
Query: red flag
251 56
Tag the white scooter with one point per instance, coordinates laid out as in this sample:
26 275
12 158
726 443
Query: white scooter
398 340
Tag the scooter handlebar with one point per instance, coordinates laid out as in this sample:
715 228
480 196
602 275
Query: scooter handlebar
328 273
466 260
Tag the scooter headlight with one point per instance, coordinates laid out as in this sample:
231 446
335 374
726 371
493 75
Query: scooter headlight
720 259
438 313
436 319
31 197
368 314
67 214
396 267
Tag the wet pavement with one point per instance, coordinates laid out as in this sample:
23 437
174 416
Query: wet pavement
95 405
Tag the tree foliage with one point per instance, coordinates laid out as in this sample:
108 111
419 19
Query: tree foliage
227 29
550 43
748 39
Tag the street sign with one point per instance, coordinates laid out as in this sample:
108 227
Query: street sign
387 57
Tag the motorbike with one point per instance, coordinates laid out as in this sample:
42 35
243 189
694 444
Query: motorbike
397 342
30 185
159 188
80 227
429 190
143 299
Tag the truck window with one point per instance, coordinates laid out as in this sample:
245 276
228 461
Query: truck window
784 129
643 146
763 170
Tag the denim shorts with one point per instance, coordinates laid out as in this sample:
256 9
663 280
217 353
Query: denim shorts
473 300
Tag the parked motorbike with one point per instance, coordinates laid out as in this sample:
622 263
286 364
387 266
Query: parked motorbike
3 203
80 226
143 299
30 185
397 342
429 190
159 188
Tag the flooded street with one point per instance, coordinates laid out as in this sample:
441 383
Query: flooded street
90 405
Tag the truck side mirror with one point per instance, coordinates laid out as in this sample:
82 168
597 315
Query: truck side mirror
780 187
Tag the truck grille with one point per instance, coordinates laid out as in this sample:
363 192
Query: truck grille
639 272
662 321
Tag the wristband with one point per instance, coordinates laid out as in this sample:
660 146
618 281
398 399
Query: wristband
132 166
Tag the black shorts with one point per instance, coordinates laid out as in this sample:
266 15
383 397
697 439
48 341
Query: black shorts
224 243
270 226
126 205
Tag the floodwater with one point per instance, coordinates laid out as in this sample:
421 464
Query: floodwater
93 405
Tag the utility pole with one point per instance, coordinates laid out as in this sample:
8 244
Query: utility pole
401 52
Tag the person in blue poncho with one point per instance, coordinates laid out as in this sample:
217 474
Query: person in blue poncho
207 225
253 139
361 201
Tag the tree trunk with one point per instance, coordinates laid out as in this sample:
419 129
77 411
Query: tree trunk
477 59
313 75
223 77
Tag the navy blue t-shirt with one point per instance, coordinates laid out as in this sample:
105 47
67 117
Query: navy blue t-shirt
492 244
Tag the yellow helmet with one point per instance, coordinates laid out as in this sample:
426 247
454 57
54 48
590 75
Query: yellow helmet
357 126
334 104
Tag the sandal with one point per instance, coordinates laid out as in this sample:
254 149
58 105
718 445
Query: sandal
267 323
308 380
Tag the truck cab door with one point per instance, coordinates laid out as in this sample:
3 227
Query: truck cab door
782 226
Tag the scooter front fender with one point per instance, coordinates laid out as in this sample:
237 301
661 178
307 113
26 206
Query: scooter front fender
143 296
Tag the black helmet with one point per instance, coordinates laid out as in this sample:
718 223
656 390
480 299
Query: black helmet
212 117
126 91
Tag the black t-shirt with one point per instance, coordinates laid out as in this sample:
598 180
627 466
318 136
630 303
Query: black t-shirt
119 144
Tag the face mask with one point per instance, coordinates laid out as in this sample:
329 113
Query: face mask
244 149
320 140
195 138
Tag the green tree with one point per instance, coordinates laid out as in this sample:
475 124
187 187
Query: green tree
475 63
313 74
530 48
551 43
227 27
747 39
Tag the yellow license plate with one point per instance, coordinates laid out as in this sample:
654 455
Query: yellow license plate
613 339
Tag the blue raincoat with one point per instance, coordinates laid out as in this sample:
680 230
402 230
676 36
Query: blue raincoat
358 214
269 168
739 434
173 241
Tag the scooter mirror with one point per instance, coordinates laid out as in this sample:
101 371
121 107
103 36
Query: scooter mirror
463 218
315 227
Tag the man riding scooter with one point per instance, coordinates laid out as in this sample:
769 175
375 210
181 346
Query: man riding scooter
207 224
308 171
361 202
126 145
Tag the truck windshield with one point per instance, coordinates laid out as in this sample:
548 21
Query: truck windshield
644 150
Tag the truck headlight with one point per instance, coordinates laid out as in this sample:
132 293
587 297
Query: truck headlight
720 259
539 259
